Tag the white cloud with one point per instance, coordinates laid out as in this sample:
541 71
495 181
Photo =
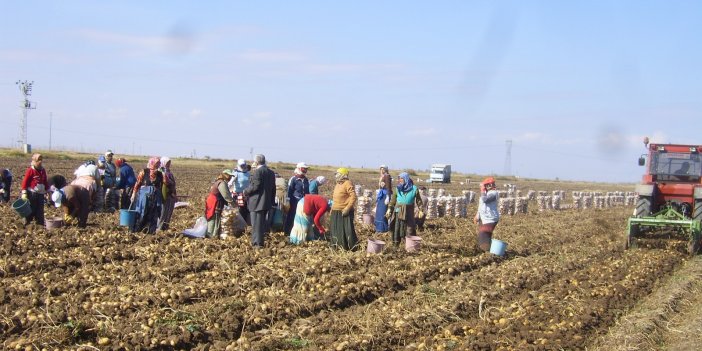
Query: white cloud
196 112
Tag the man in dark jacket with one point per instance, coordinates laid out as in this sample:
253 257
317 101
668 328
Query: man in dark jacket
261 195
125 182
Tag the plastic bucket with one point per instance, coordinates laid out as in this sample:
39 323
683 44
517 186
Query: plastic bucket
375 246
53 223
127 217
498 247
22 207
368 219
412 243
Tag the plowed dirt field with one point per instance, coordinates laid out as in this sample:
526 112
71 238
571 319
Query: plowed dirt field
564 282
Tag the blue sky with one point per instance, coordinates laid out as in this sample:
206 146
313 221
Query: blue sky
575 85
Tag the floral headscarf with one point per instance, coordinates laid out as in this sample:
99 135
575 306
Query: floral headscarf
36 158
153 165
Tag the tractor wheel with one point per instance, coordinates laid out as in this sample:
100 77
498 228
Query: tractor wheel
643 207
693 246
697 211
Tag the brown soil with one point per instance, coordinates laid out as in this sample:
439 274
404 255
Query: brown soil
563 283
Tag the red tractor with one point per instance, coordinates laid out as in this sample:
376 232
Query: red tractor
670 195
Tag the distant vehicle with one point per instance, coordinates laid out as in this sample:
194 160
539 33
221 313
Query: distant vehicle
440 173
670 195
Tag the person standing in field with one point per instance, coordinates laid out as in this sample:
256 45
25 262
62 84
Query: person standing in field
261 195
34 186
488 214
316 183
126 180
169 194
148 196
404 199
88 176
298 187
382 200
218 196
5 185
343 233
239 181
109 181
308 217
75 201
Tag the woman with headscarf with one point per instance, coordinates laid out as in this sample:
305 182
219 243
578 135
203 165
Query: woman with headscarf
75 201
316 183
239 181
147 197
343 233
34 186
401 207
308 218
218 196
298 187
488 214
383 199
168 192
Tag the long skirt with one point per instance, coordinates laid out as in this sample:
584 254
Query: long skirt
343 233
213 225
381 223
485 235
404 223
302 226
166 212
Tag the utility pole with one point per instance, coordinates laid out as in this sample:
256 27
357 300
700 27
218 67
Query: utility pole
26 105
508 158
251 153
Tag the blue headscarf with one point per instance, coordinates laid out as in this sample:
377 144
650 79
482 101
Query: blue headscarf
407 185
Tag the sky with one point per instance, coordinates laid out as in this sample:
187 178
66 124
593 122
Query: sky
573 86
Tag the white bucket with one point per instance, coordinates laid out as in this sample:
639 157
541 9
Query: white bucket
498 247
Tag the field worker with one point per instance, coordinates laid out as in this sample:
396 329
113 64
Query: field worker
34 186
126 180
401 208
420 212
382 200
5 185
298 187
99 205
343 233
147 197
260 198
316 183
109 181
276 218
239 181
169 194
218 196
75 201
488 215
88 176
308 217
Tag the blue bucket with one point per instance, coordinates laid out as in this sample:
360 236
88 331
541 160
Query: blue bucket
127 217
22 207
498 247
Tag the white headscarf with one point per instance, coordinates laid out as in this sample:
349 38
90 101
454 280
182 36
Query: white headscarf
164 161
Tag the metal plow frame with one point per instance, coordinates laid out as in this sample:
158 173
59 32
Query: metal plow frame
666 218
